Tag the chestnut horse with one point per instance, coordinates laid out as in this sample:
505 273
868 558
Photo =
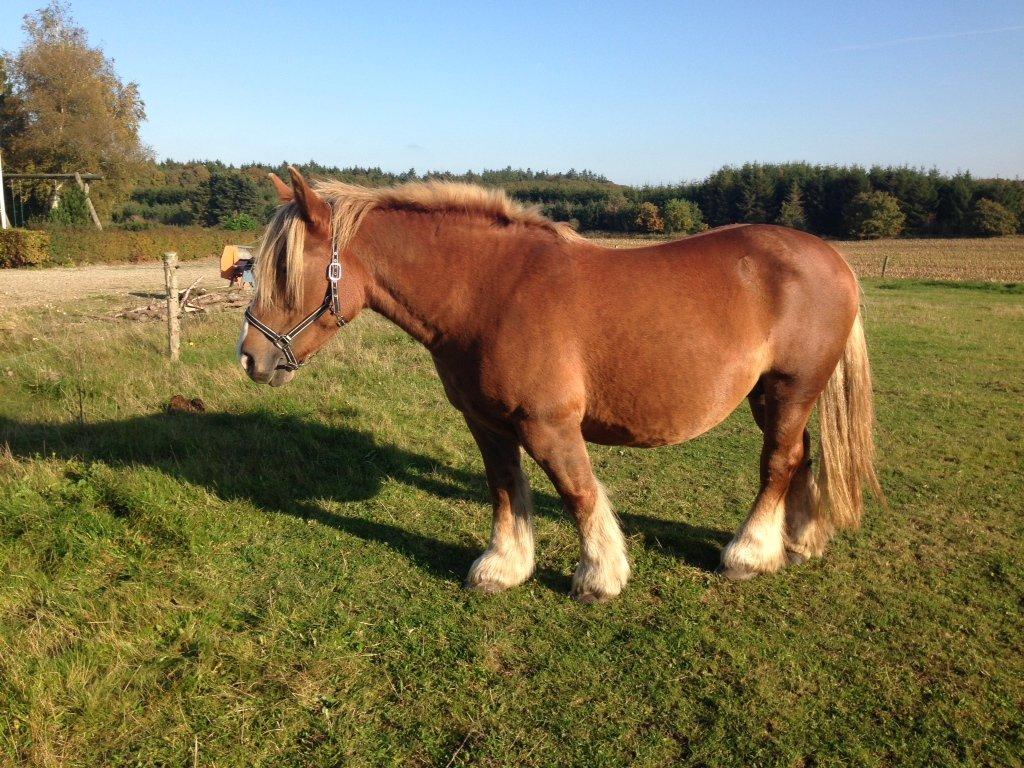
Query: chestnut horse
545 341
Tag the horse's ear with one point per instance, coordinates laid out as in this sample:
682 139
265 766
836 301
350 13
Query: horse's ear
284 192
314 209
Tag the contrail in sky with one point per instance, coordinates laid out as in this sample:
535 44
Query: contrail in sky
922 38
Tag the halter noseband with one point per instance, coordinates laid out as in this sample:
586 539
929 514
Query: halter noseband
331 303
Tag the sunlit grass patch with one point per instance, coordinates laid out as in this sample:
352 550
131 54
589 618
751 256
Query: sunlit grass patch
277 581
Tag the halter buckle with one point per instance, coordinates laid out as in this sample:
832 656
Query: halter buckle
334 270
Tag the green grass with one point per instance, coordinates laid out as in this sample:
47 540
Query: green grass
277 581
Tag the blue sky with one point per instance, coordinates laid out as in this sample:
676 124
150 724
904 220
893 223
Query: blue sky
642 92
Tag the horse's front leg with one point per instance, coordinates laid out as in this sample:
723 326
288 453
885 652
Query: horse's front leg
561 451
508 560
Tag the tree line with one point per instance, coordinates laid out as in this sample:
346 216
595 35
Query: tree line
64 109
831 201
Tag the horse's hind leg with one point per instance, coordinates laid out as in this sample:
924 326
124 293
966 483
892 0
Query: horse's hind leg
560 450
781 409
508 560
806 530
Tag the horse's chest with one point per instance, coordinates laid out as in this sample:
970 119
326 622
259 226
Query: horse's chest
474 390
502 386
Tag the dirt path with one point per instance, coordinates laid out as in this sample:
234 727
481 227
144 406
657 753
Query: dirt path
61 285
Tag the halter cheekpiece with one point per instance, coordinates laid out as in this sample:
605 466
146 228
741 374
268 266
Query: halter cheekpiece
331 303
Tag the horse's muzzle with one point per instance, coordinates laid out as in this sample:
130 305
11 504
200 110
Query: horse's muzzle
269 372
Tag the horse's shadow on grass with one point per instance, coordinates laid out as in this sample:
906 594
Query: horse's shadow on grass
283 464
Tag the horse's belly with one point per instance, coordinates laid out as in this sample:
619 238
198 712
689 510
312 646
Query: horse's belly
667 407
653 428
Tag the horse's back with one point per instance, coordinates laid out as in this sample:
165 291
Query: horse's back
780 252
732 280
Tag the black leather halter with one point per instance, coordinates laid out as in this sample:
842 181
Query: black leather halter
331 303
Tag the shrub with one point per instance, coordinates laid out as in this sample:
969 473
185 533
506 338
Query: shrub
683 216
89 246
990 219
136 225
240 221
872 215
648 219
71 211
23 247
169 195
157 213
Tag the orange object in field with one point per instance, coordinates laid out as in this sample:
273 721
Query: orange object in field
233 260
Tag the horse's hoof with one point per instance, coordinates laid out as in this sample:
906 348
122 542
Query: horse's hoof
735 573
485 587
745 557
589 597
795 558
594 583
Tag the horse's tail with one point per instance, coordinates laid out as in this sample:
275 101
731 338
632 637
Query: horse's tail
847 449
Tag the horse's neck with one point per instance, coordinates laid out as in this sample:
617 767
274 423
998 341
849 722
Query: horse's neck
419 278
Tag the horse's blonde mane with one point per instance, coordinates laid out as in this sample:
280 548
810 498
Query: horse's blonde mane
279 264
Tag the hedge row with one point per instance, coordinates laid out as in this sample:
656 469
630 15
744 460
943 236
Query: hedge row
23 248
88 246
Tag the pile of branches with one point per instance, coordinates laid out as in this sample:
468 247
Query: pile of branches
193 299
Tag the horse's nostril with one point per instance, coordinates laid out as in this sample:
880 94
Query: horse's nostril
246 362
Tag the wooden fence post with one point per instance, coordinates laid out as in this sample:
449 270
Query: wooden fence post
173 307
885 263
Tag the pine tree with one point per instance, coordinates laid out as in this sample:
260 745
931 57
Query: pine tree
954 204
756 194
792 212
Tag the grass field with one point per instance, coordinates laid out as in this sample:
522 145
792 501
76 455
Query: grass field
277 581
